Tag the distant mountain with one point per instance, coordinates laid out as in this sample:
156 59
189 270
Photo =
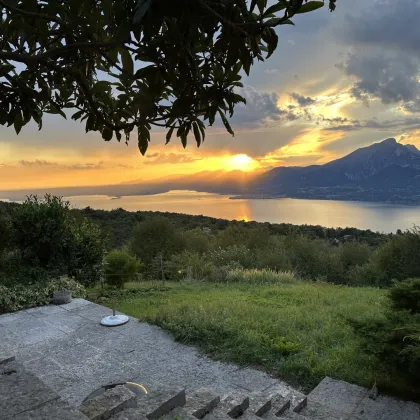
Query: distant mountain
385 171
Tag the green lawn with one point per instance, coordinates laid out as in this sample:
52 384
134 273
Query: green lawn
298 332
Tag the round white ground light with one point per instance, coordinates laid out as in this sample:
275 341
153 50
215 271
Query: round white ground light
114 320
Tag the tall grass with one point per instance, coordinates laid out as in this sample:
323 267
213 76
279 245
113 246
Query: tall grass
254 276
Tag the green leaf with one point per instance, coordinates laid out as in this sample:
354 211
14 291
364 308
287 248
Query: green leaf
310 6
5 69
202 129
281 5
77 115
287 22
107 134
140 10
261 5
101 86
143 139
169 135
253 4
18 122
226 122
197 134
127 61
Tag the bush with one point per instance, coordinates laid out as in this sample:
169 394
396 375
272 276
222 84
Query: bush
395 340
233 254
273 255
121 267
399 258
197 241
87 252
49 242
154 237
364 275
353 254
406 295
189 265
219 274
260 277
17 297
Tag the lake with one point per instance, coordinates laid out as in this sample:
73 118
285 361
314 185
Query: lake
380 217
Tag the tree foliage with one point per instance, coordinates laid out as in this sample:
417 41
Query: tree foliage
47 241
121 267
129 65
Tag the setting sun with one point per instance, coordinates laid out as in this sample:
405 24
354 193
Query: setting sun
242 162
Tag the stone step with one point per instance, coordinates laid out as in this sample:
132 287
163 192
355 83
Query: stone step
316 411
179 413
201 402
23 396
108 404
338 396
291 415
232 406
300 405
259 404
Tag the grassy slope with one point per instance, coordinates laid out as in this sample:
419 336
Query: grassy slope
298 332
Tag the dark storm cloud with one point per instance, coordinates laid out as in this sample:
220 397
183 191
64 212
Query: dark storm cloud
385 62
260 108
387 23
302 100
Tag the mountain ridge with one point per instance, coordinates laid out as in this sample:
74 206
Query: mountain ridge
387 171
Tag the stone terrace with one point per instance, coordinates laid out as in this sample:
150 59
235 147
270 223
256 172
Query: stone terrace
63 354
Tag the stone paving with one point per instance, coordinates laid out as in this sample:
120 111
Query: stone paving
67 348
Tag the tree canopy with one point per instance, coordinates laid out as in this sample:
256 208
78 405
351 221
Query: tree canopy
125 65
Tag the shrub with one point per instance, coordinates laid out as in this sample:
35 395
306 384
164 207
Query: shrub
219 274
406 295
399 258
48 242
19 296
197 241
273 255
395 340
260 277
364 275
314 259
87 252
233 254
121 267
190 266
155 236
353 254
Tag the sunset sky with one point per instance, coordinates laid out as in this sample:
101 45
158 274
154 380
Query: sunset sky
338 81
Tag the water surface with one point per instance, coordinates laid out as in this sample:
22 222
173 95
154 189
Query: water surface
380 217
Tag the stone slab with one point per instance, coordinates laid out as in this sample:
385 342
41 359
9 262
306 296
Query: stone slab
21 391
179 413
129 414
6 358
45 310
160 402
232 406
279 405
386 408
342 397
109 403
250 379
316 411
201 402
54 410
76 303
